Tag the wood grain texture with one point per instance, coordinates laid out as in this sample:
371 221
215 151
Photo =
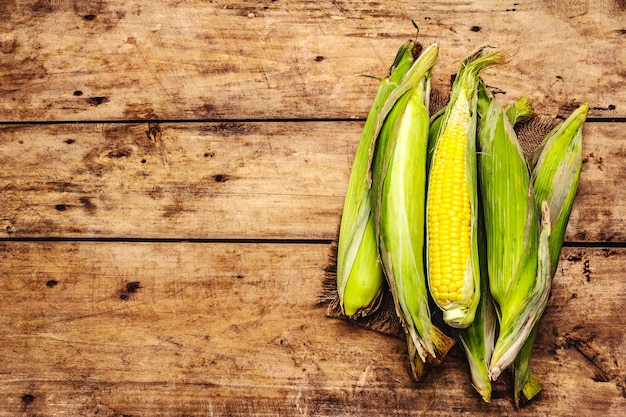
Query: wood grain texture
148 148
234 329
121 60
226 181
172 329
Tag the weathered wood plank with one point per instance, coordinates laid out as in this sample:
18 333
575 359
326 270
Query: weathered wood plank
234 329
226 180
76 60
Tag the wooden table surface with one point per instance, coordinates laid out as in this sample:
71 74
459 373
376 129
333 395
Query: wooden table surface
172 174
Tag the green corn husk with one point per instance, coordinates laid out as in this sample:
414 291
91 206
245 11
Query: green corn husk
463 100
517 254
436 122
398 203
519 111
524 382
557 166
478 339
360 276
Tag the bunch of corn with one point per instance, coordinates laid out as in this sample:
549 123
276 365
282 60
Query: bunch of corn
398 203
448 207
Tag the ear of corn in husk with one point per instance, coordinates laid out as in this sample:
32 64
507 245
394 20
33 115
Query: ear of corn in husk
398 203
360 276
517 246
524 381
452 251
557 165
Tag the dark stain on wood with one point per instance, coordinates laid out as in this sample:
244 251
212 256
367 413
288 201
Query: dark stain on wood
88 205
567 108
129 289
227 129
122 152
177 207
603 369
51 283
43 7
139 111
28 399
154 132
587 270
610 107
608 252
221 178
96 101
577 257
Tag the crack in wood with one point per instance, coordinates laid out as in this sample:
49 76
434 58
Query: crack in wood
598 361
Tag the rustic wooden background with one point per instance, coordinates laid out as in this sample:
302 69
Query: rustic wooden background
172 174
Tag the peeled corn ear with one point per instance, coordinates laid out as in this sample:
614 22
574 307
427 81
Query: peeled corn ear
360 276
398 202
453 268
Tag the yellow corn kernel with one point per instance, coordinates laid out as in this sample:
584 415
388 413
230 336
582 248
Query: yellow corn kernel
449 215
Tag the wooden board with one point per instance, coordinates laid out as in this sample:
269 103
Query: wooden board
120 60
226 181
189 329
171 174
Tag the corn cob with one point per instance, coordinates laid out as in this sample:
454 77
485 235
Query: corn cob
518 247
453 268
557 166
360 276
398 203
